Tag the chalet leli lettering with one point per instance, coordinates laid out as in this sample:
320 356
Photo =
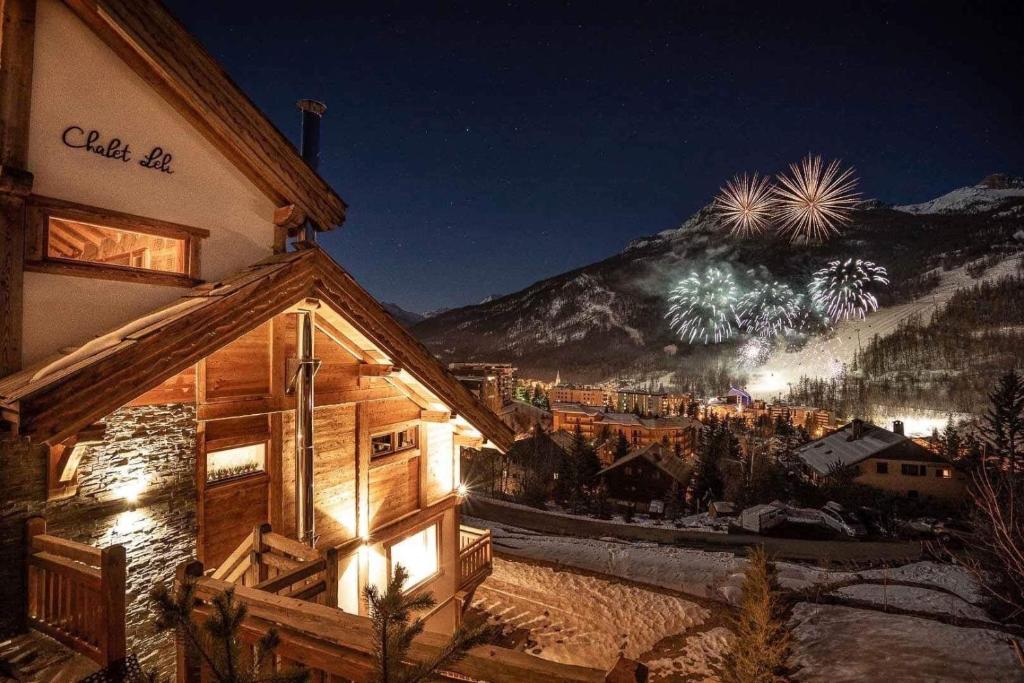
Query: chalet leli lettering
76 137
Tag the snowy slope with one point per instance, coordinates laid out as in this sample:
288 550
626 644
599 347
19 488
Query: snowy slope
989 194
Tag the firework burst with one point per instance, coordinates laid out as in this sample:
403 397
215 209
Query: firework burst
843 288
702 307
814 200
745 204
768 310
754 353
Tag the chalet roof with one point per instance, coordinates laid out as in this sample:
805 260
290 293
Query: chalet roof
669 422
57 398
840 447
150 40
659 456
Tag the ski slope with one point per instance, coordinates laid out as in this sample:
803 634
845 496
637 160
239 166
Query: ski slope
825 357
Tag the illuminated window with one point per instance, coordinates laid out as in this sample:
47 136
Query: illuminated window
392 442
77 241
418 554
944 473
235 462
86 241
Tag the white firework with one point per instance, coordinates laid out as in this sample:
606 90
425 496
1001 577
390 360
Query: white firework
768 310
754 353
843 289
702 307
745 204
814 200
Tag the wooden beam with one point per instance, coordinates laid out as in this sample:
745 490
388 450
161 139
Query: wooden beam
17 50
435 415
289 216
375 370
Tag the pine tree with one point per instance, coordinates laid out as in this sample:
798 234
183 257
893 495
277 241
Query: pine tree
394 631
707 478
1003 424
761 641
621 447
950 441
217 640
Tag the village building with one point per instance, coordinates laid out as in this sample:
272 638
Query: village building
500 376
646 478
884 459
189 385
584 395
605 428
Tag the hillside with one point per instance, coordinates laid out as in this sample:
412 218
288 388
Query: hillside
607 319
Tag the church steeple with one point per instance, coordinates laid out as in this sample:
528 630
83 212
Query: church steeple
558 378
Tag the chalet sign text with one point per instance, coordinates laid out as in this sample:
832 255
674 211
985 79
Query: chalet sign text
92 141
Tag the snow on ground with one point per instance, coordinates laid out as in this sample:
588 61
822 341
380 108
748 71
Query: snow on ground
703 574
578 619
912 598
948 576
826 357
695 572
972 199
838 644
699 522
700 659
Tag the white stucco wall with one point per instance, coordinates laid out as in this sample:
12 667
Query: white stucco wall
79 81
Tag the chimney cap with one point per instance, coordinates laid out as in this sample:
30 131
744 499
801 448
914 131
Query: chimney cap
314 106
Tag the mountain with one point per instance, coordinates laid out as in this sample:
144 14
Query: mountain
406 318
607 319
990 193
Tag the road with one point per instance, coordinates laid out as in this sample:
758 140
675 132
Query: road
856 552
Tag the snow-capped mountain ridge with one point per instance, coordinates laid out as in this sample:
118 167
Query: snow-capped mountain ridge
596 320
991 193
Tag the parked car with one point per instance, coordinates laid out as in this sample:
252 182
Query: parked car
837 517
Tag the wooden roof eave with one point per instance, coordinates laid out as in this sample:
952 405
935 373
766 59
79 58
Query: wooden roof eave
52 408
57 410
338 287
158 48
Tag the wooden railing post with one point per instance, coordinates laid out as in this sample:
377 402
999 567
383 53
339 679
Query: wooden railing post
331 577
258 568
188 667
34 526
113 575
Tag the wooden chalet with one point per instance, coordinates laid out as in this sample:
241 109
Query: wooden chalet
644 479
190 388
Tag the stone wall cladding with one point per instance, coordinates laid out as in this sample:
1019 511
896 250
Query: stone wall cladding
151 448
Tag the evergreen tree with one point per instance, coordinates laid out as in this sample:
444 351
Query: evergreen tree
950 441
394 630
621 447
1003 424
761 642
217 640
707 479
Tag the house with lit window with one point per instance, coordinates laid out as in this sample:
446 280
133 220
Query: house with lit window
883 459
191 389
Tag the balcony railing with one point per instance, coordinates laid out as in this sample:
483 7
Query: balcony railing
76 593
474 556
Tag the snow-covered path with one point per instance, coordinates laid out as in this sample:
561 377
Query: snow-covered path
576 618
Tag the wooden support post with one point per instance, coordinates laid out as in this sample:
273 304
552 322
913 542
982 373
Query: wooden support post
34 526
332 575
257 567
113 575
187 661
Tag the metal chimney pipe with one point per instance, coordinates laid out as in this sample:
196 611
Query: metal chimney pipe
312 111
305 371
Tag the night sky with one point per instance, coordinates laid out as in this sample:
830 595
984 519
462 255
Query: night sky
484 146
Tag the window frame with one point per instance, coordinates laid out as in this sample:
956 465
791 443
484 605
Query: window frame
436 523
881 467
37 259
395 449
227 446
